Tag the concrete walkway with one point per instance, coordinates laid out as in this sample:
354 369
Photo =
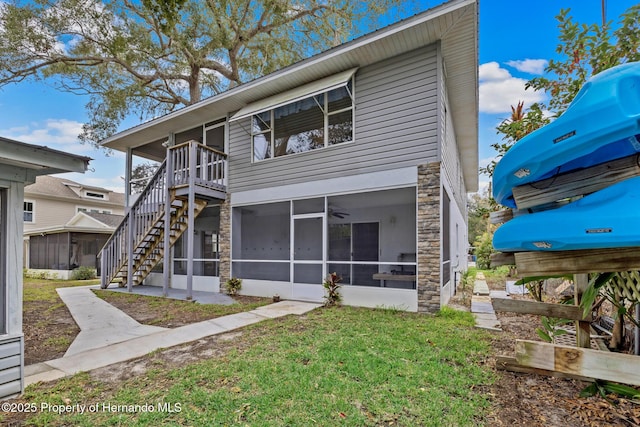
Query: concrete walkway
110 336
481 306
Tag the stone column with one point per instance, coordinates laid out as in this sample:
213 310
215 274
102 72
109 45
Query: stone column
225 242
428 280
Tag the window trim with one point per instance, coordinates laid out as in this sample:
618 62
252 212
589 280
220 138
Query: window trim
96 195
33 211
85 209
326 119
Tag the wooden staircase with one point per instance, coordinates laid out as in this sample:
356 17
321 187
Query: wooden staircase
150 251
189 168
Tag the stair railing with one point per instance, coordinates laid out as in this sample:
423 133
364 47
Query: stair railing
209 170
134 227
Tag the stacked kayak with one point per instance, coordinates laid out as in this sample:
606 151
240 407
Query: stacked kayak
609 218
601 124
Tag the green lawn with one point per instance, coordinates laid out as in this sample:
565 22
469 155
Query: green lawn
340 366
45 290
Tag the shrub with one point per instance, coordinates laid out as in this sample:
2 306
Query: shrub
484 249
83 273
39 274
330 284
233 285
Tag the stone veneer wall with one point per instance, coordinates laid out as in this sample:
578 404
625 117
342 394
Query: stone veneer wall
225 242
428 283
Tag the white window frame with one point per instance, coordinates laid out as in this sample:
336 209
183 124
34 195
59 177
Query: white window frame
326 118
33 211
94 195
91 209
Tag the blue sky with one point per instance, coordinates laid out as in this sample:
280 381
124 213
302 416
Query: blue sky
516 39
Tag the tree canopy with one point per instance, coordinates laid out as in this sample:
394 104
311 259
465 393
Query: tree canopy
150 57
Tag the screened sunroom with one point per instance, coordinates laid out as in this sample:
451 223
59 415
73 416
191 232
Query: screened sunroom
288 247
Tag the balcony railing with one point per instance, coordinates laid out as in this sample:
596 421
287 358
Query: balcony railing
187 164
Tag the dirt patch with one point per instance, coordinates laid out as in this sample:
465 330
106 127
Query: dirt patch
48 331
529 399
168 313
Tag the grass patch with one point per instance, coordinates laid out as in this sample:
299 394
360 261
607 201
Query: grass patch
346 366
61 343
167 312
45 290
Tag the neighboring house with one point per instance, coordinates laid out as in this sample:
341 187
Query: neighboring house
356 160
19 165
66 224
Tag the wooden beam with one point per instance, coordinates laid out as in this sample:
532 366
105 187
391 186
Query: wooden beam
504 363
583 328
583 181
500 217
575 262
502 258
597 364
560 311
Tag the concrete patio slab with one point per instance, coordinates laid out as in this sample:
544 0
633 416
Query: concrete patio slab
284 308
199 297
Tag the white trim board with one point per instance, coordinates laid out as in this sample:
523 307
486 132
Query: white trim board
325 187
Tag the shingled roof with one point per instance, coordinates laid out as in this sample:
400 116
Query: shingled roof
61 187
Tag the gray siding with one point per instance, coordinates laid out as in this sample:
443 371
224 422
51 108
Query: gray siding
395 127
450 154
10 367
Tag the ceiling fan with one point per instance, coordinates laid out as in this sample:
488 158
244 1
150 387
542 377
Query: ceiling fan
337 213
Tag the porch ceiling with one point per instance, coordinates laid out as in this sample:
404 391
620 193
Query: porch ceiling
454 23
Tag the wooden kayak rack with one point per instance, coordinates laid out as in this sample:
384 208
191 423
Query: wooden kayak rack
579 362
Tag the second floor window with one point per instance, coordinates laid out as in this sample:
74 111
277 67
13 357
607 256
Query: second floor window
318 121
28 211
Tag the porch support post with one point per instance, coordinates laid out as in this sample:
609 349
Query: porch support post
167 253
130 235
428 235
191 219
224 269
127 177
583 328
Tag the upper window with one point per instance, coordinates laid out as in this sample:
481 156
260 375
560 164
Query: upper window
94 195
318 121
28 211
93 210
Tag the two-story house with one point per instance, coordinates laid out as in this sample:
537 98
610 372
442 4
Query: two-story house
356 160
66 224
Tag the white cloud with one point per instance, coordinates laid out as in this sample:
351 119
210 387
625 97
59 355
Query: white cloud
491 71
531 66
499 90
61 134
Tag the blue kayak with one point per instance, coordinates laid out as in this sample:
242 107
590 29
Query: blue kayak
601 124
608 218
